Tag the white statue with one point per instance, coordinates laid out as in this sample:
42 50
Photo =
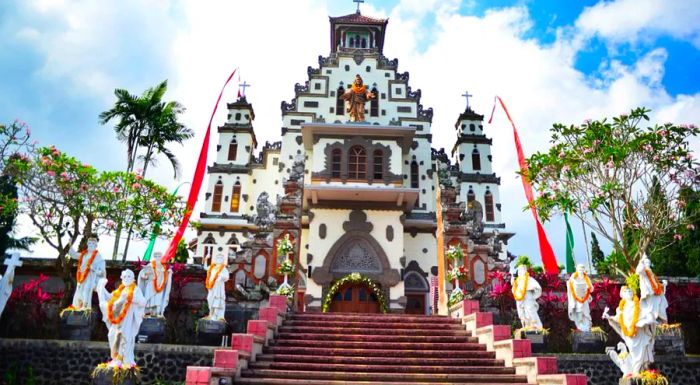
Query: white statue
578 292
653 292
155 280
122 312
91 268
621 358
217 275
526 290
636 326
8 279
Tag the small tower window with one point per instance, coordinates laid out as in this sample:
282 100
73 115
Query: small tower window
374 103
476 160
414 174
357 163
232 149
378 164
336 157
339 102
488 202
218 192
235 197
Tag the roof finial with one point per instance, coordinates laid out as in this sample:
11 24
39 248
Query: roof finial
467 95
358 5
244 85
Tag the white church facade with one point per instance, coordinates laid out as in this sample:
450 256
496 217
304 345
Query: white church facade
352 196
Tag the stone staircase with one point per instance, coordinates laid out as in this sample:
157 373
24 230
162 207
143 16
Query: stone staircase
346 349
337 348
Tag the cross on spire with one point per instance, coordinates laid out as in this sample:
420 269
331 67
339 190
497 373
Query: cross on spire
467 95
244 85
358 4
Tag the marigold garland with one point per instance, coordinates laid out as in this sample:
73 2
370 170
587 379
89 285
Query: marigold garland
588 288
359 90
115 296
632 330
81 275
523 291
354 278
656 286
209 283
156 287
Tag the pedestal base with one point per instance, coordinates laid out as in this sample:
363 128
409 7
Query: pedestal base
152 330
630 381
76 325
669 344
538 340
107 376
587 342
209 332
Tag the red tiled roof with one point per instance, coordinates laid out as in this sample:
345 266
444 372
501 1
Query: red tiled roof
357 18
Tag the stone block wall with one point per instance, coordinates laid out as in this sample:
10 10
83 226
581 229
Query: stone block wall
601 371
49 362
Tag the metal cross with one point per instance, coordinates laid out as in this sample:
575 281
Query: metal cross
13 261
358 4
244 85
467 95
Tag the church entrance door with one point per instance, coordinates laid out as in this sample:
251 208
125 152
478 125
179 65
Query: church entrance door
415 303
354 298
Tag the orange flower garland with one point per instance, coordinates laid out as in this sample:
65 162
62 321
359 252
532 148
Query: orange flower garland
115 296
588 289
156 287
81 275
632 330
656 286
208 283
524 278
359 90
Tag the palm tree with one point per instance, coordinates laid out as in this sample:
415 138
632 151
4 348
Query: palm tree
146 122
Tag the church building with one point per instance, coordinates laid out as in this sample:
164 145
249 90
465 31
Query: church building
353 196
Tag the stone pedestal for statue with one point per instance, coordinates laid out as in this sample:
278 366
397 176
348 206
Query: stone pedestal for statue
670 344
537 338
210 332
77 325
152 330
106 376
587 342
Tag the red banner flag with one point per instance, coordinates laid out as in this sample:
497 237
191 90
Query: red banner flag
196 182
549 260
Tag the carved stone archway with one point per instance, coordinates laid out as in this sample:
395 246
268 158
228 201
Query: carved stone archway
356 252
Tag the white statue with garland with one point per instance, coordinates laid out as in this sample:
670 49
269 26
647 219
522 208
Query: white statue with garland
91 269
636 326
653 292
578 292
155 280
122 312
526 291
217 275
7 280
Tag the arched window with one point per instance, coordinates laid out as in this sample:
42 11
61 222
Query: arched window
378 160
235 197
232 149
374 103
357 163
216 201
336 158
488 202
476 160
414 174
471 197
352 42
339 102
364 43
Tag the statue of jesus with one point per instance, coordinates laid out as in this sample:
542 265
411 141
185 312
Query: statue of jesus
91 268
217 275
355 98
526 290
122 312
578 292
653 291
155 280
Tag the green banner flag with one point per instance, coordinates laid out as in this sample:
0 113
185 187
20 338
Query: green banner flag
156 231
570 262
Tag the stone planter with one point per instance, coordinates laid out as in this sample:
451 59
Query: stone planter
587 342
210 332
152 330
77 325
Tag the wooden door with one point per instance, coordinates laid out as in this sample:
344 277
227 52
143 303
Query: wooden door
354 298
415 303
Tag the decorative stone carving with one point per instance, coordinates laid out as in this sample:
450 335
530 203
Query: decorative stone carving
474 218
356 257
265 216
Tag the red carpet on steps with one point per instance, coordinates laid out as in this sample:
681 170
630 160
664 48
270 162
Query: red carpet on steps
341 348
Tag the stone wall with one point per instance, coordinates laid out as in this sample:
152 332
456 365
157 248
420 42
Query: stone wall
49 362
601 371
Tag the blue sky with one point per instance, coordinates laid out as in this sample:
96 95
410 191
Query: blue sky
551 61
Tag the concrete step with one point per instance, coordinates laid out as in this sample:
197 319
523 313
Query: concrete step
370 324
368 376
350 360
289 381
315 366
373 317
373 331
378 352
375 338
442 347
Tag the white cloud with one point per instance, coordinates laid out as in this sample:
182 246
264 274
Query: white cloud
197 46
635 20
